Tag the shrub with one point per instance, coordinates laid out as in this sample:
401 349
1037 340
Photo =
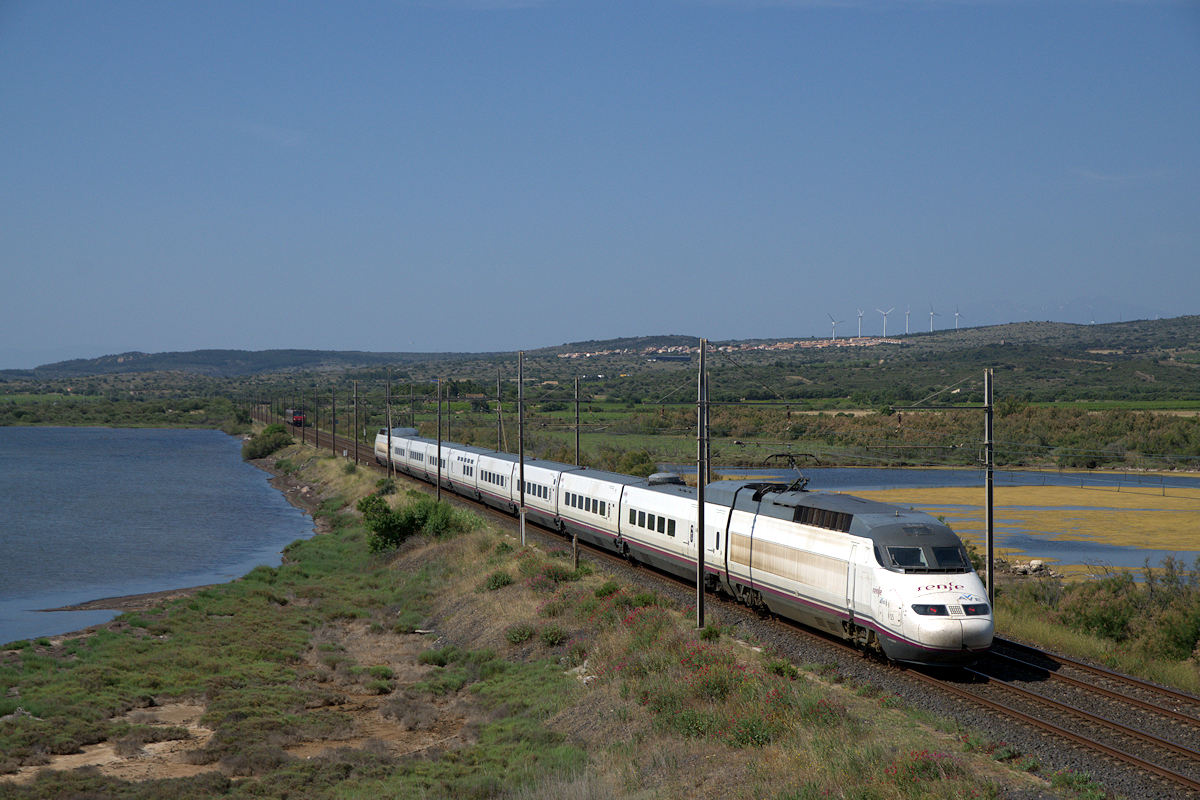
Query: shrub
1105 607
519 633
783 669
265 443
553 636
497 580
607 588
389 528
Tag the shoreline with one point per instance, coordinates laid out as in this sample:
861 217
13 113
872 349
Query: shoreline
130 602
298 493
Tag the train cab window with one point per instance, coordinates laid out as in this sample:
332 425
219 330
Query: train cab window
909 557
951 558
671 528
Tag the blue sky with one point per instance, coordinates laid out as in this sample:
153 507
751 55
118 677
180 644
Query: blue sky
495 175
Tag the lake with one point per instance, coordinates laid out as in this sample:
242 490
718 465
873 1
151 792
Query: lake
98 512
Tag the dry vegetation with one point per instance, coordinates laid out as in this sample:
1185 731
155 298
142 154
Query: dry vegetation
460 665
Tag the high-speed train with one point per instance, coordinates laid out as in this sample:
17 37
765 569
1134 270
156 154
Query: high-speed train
885 577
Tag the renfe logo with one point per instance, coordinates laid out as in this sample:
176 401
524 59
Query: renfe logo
941 587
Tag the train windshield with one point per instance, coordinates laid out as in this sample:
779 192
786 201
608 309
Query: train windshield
917 559
951 558
907 557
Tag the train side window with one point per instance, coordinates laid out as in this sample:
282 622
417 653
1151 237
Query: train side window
632 517
662 524
603 509
641 519
670 527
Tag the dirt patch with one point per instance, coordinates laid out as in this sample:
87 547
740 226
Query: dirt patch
370 673
131 762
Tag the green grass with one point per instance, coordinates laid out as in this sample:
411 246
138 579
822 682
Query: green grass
1131 405
253 651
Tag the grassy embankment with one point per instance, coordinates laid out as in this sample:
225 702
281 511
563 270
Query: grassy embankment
1149 628
537 681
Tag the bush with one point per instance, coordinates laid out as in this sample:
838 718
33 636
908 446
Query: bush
497 580
389 528
265 443
519 633
1106 607
553 636
607 588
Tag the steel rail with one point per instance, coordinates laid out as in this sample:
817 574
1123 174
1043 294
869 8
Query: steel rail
1124 730
1109 693
1065 661
1071 736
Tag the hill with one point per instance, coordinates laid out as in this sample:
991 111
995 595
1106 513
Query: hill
1147 360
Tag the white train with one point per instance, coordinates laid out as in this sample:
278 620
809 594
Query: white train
886 577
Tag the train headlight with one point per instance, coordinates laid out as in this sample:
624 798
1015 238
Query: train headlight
976 610
927 610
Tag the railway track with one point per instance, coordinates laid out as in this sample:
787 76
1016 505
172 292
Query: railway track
1123 720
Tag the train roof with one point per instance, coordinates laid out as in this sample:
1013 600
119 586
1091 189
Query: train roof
884 523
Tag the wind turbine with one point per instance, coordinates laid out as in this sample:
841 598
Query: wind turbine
932 314
956 316
885 313
835 324
907 311
860 313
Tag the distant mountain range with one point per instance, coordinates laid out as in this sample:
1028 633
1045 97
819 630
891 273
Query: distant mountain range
1169 337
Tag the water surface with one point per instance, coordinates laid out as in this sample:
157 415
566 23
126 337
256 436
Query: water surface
98 512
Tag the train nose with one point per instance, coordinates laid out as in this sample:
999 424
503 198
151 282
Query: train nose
972 634
977 633
941 633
